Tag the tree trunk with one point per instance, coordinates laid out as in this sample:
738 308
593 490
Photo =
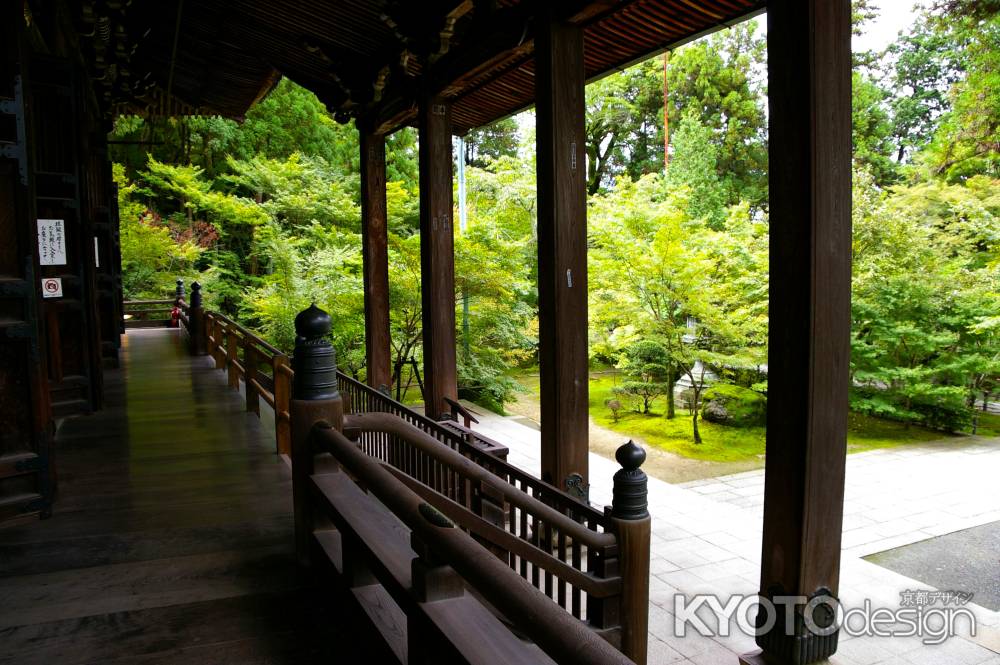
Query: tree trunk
694 424
671 382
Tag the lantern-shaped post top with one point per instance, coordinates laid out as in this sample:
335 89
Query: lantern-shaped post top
630 492
312 324
314 362
630 456
195 294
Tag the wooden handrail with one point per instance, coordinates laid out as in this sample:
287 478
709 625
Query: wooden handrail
597 586
457 409
564 638
566 552
389 424
473 445
148 302
225 340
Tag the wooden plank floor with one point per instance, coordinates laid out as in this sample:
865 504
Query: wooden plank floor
171 535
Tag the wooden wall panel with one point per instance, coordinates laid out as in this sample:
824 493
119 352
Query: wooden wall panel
75 377
26 469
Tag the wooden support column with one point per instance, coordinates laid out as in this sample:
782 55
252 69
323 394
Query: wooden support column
809 86
375 252
562 253
437 256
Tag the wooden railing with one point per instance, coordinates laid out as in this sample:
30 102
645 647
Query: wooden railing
365 399
589 557
148 313
568 551
424 565
263 369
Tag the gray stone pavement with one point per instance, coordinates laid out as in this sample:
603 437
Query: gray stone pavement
706 539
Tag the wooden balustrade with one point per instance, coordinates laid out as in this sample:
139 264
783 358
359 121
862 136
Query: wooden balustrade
438 610
572 564
263 369
590 566
148 313
521 524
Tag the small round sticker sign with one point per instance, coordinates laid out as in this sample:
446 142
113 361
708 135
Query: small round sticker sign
52 287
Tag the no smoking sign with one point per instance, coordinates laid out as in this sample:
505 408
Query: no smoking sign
52 287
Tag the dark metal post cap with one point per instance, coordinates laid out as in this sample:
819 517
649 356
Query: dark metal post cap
629 492
195 294
314 361
312 323
630 456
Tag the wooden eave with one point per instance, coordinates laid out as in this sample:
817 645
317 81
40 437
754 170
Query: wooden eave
374 60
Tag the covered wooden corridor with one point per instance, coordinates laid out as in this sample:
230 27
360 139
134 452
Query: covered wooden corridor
171 536
173 539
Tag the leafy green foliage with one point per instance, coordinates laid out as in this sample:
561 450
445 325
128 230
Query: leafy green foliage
152 258
719 79
625 125
648 366
487 144
728 404
872 129
265 213
694 166
924 294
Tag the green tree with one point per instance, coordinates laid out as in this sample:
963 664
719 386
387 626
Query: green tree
485 145
694 166
921 66
647 365
624 124
152 257
653 270
925 290
967 140
721 79
872 129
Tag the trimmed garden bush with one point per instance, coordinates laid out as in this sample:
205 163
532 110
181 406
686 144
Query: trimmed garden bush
727 404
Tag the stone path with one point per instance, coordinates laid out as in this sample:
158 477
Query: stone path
706 539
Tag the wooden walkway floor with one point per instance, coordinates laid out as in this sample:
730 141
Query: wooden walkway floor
171 536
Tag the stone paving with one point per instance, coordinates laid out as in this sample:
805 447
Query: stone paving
706 539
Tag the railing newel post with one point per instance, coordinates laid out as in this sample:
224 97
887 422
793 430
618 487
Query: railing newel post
315 399
632 524
433 580
232 356
196 321
179 292
250 363
282 400
219 344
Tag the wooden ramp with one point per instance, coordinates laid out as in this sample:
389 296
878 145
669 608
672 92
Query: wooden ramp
171 536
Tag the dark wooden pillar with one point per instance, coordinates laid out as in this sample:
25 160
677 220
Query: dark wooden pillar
375 251
27 468
562 253
437 256
809 85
